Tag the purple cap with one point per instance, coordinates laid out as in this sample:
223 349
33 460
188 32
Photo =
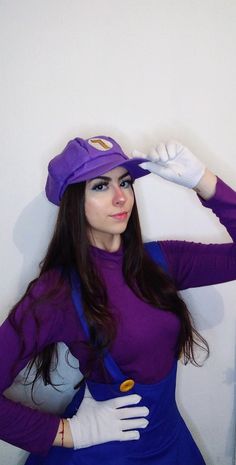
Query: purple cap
84 159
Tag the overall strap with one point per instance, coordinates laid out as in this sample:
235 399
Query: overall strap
154 249
109 363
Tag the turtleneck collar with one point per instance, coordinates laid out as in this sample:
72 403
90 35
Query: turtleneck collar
106 257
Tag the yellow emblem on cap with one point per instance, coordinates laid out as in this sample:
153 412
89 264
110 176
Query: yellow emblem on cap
100 144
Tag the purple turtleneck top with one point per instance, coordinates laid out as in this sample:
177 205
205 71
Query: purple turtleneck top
144 347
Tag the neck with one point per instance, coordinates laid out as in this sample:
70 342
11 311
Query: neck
110 243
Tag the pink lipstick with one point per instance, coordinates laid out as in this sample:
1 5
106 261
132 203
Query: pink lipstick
120 216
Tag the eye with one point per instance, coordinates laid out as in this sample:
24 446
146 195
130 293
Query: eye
101 186
126 183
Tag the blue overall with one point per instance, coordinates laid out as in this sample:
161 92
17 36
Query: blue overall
165 441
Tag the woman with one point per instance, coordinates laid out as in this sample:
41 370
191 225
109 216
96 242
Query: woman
115 304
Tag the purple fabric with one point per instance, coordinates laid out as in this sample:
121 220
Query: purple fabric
139 325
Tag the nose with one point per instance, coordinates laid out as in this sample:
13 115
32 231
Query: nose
119 197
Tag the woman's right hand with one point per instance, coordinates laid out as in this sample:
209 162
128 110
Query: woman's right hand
116 419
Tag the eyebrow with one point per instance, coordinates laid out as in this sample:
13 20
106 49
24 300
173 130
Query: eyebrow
107 178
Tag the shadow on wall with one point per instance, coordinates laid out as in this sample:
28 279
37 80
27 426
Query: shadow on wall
48 398
31 235
205 316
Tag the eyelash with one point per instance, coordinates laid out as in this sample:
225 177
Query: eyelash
106 183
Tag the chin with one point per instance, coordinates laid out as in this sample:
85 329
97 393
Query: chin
119 229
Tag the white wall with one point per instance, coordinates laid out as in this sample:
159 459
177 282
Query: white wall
140 71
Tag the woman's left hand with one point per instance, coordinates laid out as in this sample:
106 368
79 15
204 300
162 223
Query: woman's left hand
174 162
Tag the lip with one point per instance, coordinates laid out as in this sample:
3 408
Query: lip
120 216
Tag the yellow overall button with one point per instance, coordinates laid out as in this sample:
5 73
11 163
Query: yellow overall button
127 385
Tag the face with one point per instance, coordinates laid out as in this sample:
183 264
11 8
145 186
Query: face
109 201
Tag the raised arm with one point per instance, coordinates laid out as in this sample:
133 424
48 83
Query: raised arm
195 264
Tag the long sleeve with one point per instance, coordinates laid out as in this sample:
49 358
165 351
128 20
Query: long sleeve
195 264
42 323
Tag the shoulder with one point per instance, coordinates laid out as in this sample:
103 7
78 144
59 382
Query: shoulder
52 281
44 297
48 280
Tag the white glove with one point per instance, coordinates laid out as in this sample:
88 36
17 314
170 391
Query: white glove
174 162
97 422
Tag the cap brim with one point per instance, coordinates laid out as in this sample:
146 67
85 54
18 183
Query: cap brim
132 166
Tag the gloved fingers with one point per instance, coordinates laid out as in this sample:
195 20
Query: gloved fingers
132 412
173 148
161 170
154 155
147 165
135 423
131 399
129 435
151 156
162 152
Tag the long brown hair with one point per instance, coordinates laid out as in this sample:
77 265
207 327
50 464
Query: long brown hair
69 248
